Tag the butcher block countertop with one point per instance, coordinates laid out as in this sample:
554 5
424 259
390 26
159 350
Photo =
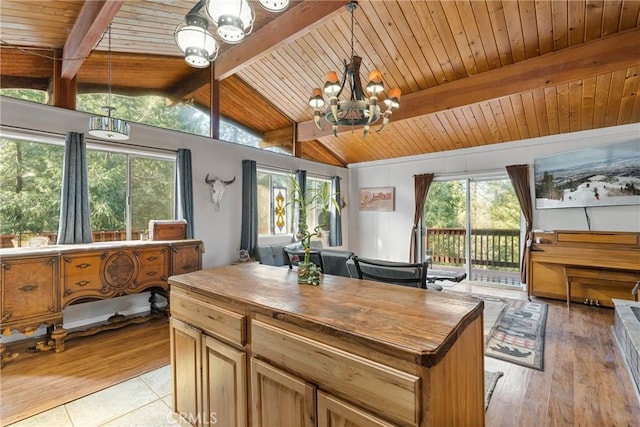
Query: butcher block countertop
413 324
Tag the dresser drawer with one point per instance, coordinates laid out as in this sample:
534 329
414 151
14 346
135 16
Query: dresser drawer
367 383
81 276
205 315
154 266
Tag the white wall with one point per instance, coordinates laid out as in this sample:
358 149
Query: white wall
386 235
219 230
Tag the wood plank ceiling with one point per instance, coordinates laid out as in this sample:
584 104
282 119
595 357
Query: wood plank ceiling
472 73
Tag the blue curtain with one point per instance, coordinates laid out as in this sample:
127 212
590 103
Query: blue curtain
335 233
249 231
75 216
184 190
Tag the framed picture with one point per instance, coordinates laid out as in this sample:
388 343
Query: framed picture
607 175
380 199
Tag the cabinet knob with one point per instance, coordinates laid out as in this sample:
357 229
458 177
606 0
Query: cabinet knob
83 265
28 288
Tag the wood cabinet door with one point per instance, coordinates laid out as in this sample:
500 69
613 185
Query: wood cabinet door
224 384
334 412
29 290
186 368
186 258
280 399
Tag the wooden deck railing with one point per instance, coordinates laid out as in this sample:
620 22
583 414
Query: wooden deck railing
489 247
22 239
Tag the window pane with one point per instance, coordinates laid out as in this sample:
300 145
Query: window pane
30 181
107 193
274 210
150 110
32 95
152 182
314 213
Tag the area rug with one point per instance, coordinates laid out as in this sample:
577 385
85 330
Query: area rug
514 330
490 381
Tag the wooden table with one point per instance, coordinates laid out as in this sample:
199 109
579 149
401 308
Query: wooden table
348 350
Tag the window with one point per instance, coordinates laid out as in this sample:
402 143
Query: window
115 178
154 111
274 211
30 181
315 214
30 188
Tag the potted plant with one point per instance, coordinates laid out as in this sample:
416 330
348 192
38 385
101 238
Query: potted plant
308 273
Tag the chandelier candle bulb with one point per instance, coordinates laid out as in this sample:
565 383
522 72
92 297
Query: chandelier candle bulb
375 85
332 87
316 100
393 100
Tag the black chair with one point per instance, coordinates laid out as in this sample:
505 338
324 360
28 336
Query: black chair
399 273
296 255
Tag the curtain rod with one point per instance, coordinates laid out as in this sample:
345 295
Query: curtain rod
88 139
488 173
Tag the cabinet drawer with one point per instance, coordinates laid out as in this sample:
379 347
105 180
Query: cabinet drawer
80 276
153 267
370 384
217 321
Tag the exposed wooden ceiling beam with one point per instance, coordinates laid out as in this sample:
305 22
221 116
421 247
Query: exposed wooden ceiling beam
298 21
288 26
600 56
93 20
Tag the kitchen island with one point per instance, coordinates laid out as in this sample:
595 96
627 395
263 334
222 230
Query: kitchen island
249 346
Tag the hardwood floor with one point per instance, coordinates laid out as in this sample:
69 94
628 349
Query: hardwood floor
584 382
42 381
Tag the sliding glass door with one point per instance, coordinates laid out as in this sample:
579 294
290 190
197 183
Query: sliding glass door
474 225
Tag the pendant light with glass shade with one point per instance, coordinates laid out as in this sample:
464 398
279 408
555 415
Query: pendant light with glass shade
233 19
109 127
194 39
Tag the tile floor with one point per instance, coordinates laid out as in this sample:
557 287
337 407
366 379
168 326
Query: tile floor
143 401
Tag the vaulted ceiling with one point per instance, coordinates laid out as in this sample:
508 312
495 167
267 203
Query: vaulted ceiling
472 72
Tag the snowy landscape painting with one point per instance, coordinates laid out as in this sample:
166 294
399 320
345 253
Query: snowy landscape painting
598 176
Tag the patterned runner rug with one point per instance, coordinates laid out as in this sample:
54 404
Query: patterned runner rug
514 330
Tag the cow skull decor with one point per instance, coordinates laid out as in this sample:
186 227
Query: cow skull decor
217 189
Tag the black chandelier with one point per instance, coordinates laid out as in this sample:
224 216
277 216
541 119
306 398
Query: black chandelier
359 109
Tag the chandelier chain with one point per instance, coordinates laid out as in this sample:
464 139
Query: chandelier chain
352 27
